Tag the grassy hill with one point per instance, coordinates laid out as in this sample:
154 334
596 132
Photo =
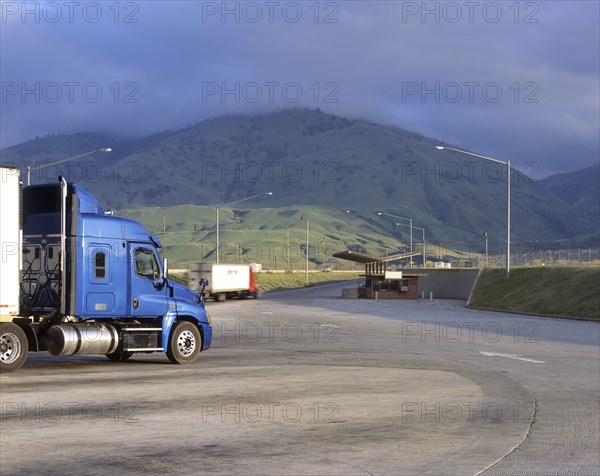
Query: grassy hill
262 235
309 158
276 282
553 291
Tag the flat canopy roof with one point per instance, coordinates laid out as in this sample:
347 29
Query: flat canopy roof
364 258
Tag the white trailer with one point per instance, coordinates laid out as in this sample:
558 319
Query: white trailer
10 240
13 341
226 281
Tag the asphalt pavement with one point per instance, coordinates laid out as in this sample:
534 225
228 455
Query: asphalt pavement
305 382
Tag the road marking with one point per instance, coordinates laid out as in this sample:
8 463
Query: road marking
380 303
269 313
511 356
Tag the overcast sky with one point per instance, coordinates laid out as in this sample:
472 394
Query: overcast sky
511 80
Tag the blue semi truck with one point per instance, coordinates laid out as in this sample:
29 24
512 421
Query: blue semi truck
76 280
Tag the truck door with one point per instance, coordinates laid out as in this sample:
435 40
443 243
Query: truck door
148 293
102 288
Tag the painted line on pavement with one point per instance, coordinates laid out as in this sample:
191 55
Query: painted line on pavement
511 356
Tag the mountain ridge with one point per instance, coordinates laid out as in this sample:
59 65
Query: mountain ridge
579 189
307 157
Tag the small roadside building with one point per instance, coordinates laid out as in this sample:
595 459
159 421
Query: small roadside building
381 283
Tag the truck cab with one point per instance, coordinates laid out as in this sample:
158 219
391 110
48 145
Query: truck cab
94 283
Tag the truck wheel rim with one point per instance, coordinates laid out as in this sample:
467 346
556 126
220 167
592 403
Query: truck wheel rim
186 343
10 348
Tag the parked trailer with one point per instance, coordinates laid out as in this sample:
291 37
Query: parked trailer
75 280
226 281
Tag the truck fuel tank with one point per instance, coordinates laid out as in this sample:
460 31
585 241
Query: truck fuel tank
82 339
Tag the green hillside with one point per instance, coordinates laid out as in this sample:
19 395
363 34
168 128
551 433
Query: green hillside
261 235
309 158
553 291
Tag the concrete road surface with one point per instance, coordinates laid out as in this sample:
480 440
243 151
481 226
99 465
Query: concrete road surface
304 382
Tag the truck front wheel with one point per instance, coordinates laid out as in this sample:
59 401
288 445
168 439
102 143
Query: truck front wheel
13 347
184 343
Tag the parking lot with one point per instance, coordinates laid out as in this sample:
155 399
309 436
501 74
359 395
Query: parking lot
304 382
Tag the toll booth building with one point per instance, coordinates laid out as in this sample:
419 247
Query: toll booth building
381 283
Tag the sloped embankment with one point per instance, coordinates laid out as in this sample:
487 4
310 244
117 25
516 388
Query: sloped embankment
564 291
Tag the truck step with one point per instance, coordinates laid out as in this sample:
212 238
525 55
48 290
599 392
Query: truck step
148 349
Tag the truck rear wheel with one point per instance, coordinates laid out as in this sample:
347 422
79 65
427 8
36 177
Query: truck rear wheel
184 344
13 347
119 356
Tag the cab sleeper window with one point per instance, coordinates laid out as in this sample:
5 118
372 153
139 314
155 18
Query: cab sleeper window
100 265
146 264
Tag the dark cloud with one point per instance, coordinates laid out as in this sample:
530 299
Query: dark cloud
515 80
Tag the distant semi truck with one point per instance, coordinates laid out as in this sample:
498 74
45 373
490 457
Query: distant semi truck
226 281
75 280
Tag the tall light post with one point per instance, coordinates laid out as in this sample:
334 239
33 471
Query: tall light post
348 214
424 256
411 230
40 167
307 249
401 218
485 237
411 233
233 203
507 163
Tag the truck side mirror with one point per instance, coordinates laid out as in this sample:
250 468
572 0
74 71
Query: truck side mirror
159 285
203 283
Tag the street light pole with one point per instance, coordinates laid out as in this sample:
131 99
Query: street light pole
485 237
411 233
217 249
307 244
40 167
423 252
233 203
507 163
411 242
